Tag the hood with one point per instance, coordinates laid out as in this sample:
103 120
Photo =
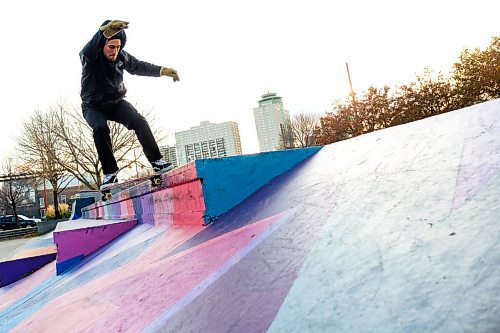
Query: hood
121 35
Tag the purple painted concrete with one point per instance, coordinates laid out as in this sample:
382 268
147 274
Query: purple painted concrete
80 238
14 270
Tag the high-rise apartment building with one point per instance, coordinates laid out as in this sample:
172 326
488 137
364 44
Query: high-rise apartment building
271 121
208 140
169 154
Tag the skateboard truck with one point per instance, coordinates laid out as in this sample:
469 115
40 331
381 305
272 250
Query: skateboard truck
106 195
155 182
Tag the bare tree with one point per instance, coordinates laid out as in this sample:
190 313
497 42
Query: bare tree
39 148
285 137
14 189
302 127
77 152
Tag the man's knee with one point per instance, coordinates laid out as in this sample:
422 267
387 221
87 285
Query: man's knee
97 122
138 123
100 129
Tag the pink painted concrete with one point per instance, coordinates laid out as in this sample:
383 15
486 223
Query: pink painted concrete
150 284
179 201
164 207
181 175
189 204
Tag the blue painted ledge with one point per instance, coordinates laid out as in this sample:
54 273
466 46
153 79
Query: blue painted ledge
228 181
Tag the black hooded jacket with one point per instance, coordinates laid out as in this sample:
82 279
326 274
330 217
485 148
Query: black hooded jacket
102 80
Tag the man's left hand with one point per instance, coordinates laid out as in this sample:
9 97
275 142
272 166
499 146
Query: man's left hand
165 71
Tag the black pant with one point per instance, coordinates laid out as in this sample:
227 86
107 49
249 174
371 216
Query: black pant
124 113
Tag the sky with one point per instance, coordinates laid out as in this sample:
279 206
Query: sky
229 53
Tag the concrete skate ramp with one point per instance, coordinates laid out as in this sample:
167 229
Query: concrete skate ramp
394 231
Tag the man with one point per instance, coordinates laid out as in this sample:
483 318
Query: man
103 61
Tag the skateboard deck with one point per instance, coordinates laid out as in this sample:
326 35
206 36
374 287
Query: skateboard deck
155 179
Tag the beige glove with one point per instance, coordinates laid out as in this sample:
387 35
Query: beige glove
113 27
165 71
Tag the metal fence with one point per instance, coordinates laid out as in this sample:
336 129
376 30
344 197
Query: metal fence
18 233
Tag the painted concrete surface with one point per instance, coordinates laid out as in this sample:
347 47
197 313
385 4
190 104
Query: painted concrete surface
394 231
242 176
196 193
77 239
10 247
21 257
23 247
15 269
179 200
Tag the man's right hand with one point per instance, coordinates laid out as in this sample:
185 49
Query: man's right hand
113 27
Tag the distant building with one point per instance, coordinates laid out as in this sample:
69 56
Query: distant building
44 195
208 140
34 194
169 154
271 122
21 192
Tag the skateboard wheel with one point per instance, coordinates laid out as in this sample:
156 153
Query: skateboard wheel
156 181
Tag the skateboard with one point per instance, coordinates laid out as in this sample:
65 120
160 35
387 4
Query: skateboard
155 179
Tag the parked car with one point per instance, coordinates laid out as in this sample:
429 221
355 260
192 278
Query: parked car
24 217
8 222
26 222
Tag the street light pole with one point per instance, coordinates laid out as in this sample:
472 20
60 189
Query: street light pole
44 185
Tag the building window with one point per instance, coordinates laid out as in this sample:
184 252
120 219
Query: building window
189 153
204 149
221 147
197 150
42 213
63 198
213 148
42 202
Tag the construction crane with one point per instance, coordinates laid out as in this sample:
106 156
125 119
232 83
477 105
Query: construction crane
352 94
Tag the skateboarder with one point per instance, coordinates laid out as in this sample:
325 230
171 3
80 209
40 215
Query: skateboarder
103 61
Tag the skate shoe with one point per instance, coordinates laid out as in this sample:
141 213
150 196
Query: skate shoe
162 166
108 180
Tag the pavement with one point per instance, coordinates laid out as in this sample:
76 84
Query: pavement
9 247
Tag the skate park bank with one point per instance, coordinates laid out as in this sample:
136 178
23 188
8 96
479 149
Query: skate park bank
394 231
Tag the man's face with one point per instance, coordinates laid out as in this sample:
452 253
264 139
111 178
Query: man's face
111 49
